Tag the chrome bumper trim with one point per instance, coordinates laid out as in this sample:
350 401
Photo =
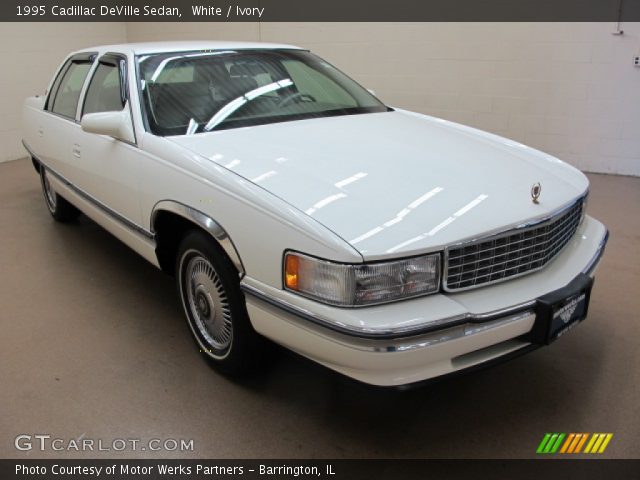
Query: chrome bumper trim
454 333
439 325
385 344
593 263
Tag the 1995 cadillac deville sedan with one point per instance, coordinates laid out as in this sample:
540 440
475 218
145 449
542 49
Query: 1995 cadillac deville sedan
290 203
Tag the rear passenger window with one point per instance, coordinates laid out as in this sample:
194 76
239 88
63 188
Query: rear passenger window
105 90
67 88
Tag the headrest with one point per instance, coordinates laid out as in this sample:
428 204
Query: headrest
247 69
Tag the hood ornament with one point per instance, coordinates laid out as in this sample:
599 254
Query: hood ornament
536 190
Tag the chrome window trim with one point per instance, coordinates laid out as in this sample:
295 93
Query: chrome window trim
505 232
91 199
203 220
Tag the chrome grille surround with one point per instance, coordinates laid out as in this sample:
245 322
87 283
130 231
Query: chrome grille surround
512 253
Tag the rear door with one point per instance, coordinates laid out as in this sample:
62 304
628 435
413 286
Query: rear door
58 123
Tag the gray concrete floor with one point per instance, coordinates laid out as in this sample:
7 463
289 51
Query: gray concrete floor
93 343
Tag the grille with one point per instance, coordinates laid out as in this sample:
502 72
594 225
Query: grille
510 254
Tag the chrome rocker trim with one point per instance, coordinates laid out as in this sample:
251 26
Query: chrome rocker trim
195 216
91 199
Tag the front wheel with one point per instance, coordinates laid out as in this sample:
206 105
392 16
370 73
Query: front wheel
59 208
214 306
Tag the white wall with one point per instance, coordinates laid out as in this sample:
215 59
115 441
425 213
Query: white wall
149 32
30 54
566 88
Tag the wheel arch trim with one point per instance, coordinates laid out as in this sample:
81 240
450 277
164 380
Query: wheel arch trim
203 221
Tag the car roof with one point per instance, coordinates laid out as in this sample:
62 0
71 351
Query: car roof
184 46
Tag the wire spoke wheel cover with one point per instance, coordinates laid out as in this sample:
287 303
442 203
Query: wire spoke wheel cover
215 309
207 301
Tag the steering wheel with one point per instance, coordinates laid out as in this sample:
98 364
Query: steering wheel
295 96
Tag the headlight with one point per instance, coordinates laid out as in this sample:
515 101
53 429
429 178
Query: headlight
361 284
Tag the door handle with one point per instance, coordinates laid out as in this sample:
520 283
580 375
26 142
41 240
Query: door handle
40 132
76 150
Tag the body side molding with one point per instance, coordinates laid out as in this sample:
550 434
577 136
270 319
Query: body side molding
131 225
205 222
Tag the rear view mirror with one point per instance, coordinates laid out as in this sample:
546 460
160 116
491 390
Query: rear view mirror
115 124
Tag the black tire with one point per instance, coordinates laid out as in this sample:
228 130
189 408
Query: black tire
209 289
59 208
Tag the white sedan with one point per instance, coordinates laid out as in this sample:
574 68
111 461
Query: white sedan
290 203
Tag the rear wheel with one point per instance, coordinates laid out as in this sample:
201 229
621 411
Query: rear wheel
214 306
60 209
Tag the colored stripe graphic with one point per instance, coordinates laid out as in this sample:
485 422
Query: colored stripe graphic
573 443
544 441
606 441
550 443
567 443
596 445
598 442
581 442
555 447
590 444
552 440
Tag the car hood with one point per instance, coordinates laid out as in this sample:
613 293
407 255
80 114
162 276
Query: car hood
395 183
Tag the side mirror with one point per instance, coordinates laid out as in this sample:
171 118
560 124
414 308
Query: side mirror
115 124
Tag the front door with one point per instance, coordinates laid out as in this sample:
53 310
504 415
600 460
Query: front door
107 168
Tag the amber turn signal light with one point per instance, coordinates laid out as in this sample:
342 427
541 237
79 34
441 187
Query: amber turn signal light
291 271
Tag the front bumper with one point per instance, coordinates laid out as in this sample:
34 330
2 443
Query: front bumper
422 338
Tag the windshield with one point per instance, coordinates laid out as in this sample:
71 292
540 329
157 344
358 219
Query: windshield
188 93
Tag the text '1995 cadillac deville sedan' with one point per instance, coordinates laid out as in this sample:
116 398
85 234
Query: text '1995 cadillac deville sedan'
290 203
